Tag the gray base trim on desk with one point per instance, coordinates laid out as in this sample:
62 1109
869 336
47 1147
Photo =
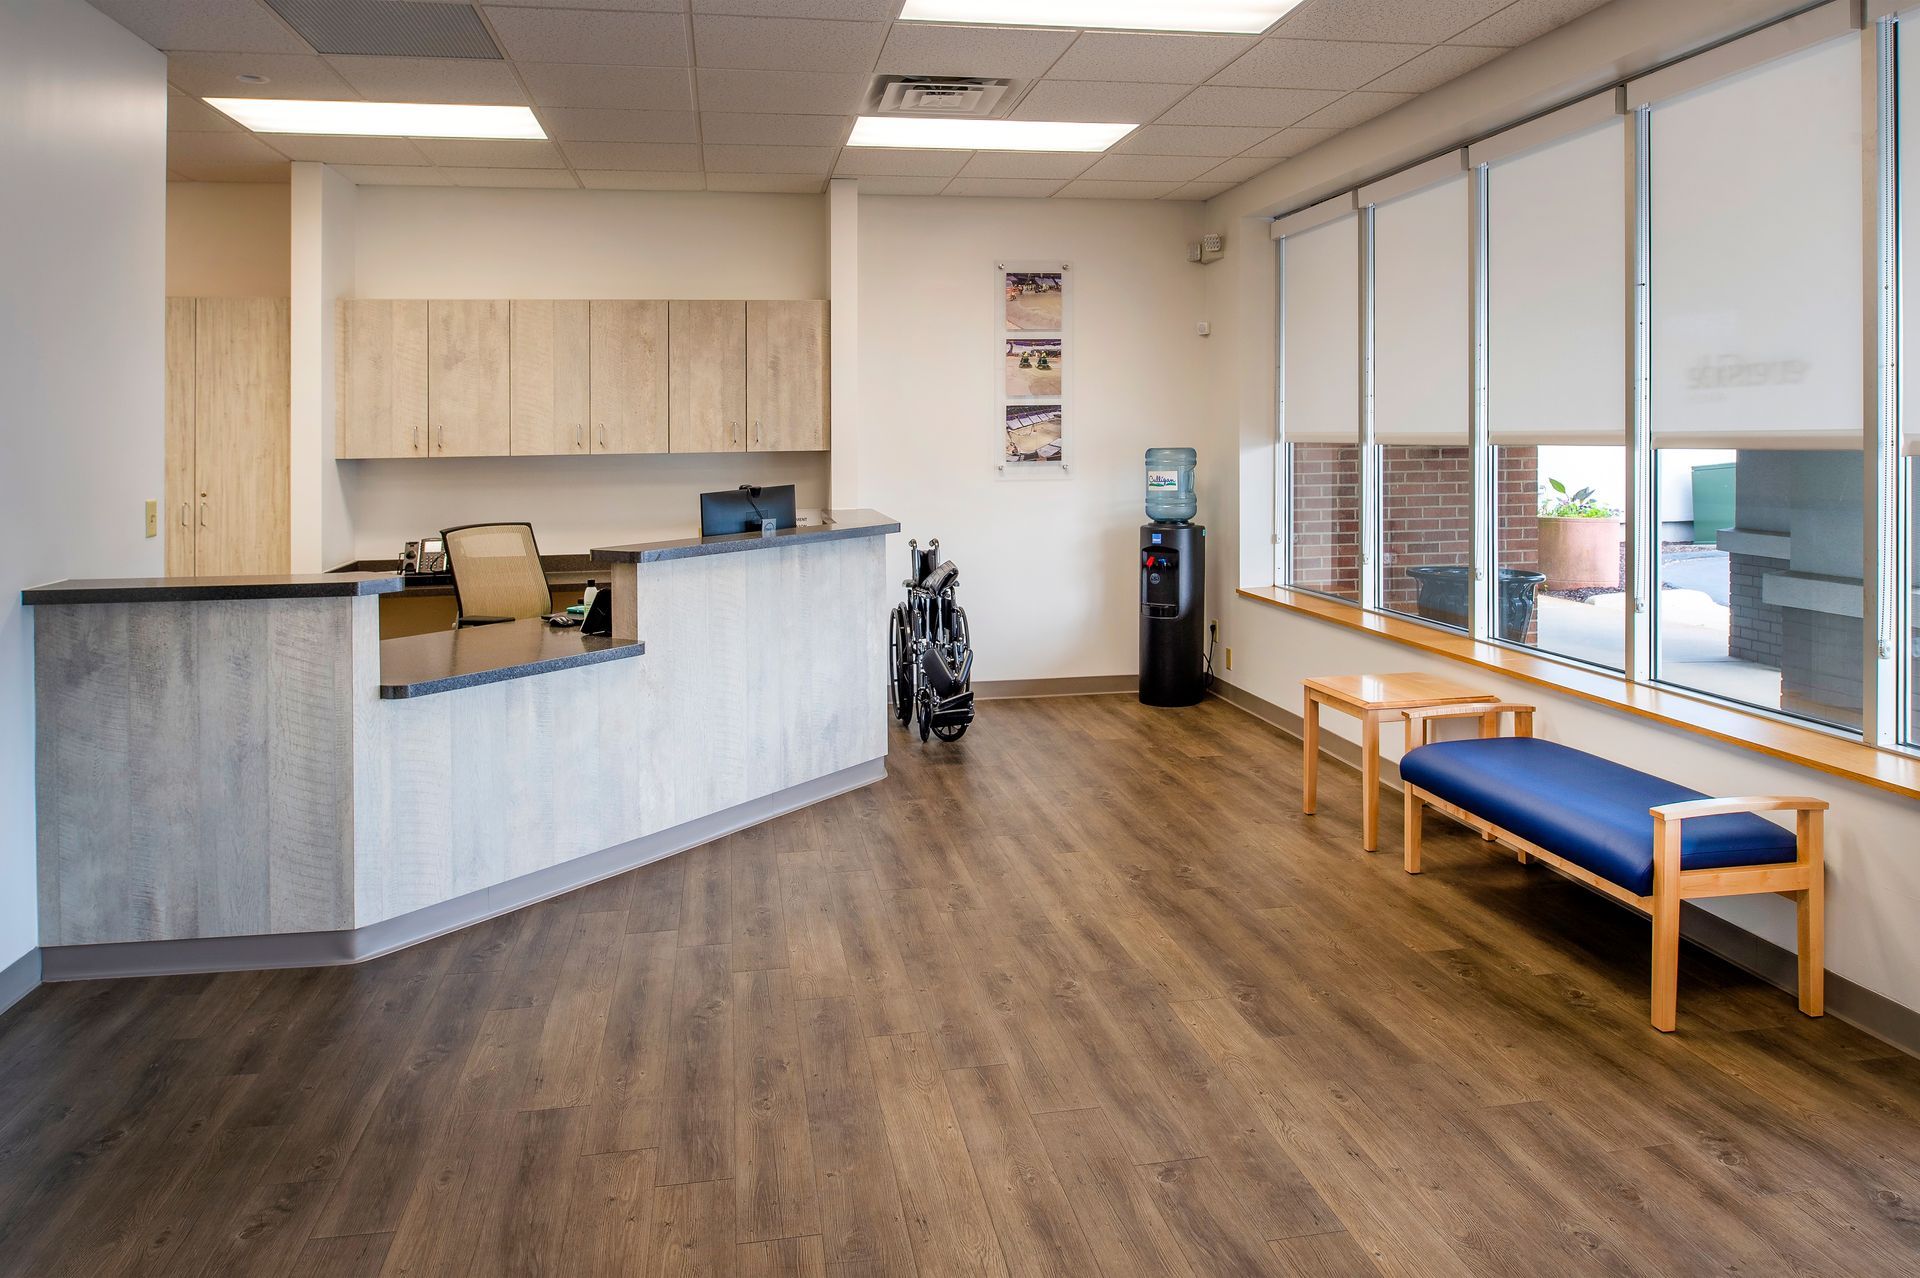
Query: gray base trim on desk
19 979
357 945
1778 966
1081 686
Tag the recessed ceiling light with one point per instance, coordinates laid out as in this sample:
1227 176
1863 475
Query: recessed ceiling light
1242 17
380 119
984 135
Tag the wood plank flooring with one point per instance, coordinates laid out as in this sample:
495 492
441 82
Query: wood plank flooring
1080 994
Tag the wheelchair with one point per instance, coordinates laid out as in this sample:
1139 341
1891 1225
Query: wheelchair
931 652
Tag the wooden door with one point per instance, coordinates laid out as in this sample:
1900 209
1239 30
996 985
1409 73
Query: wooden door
241 448
786 376
467 371
383 393
180 511
709 377
628 377
549 378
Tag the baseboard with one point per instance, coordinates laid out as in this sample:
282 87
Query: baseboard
357 945
1081 686
19 979
1855 1004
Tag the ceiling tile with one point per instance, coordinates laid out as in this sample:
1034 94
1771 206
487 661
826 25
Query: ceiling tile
393 175
1526 20
806 93
1200 190
920 48
1237 171
581 35
1435 67
1013 188
616 88
620 180
279 171
511 177
201 149
1270 108
1167 59
787 44
468 80
1425 22
866 10
1154 168
572 124
769 159
902 185
1191 139
1355 108
1097 101
861 161
1059 165
214 75
237 26
1290 142
1085 190
1314 64
650 157
630 6
346 150
777 183
766 129
188 114
503 153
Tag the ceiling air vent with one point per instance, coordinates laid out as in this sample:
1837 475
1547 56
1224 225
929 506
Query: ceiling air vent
938 95
390 28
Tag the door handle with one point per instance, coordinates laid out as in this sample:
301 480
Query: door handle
186 514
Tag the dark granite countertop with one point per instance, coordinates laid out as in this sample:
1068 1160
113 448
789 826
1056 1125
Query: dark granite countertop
326 585
420 665
839 525
562 571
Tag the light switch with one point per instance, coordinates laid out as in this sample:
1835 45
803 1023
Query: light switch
153 518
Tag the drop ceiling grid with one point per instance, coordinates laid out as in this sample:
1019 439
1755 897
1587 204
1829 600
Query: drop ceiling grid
691 94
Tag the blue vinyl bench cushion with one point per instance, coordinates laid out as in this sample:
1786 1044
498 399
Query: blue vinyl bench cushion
1591 811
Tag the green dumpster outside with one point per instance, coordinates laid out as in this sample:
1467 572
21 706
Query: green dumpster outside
1712 502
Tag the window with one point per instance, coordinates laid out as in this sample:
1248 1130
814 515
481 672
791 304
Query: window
1320 399
1325 535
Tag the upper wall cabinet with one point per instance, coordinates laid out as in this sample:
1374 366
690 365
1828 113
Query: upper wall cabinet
629 399
548 378
383 383
709 377
467 378
786 376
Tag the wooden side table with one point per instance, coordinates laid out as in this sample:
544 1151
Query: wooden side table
1370 699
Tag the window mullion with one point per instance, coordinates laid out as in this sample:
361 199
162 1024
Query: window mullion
1642 509
1370 492
1881 593
1484 499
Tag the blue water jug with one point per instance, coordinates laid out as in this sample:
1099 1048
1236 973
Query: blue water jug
1170 497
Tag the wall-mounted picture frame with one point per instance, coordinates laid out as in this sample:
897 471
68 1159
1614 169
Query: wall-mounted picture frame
1034 367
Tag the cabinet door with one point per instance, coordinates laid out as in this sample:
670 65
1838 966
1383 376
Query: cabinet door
549 378
241 448
628 374
180 513
383 384
786 376
467 369
709 377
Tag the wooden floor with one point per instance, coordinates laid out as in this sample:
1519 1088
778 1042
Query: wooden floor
1081 994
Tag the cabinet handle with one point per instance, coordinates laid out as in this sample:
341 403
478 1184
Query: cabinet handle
186 514
442 446
603 437
203 514
580 437
756 432
416 437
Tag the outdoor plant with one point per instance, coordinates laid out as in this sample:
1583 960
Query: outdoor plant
1560 504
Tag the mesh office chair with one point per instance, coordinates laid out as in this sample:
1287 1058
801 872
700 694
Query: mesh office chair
496 574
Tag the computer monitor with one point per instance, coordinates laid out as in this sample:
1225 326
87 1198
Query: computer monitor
746 508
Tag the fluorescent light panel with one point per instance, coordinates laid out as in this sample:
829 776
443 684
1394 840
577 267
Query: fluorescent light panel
1241 17
380 119
984 135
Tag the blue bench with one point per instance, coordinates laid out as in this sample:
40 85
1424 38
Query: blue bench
1634 836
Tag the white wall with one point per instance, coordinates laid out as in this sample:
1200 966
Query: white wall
1049 572
83 117
227 239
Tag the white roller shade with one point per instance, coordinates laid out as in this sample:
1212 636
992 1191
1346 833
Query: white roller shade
1758 267
1420 316
1320 334
1908 34
1557 291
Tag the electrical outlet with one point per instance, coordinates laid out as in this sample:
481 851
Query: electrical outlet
1229 658
153 518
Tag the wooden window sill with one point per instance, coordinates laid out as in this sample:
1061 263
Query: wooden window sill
1889 770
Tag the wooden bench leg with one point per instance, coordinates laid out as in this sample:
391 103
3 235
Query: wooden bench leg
1811 906
1666 923
1412 835
1310 754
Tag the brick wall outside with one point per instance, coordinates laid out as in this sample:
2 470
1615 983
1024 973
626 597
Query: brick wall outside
1518 535
1326 518
1754 629
1425 515
1821 673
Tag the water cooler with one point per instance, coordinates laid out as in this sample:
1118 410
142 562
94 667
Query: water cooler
1173 585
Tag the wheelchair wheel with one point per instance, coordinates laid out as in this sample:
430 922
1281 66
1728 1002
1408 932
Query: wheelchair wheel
926 718
900 686
950 731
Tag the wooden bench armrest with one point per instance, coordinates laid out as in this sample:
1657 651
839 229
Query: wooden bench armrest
1418 721
1721 807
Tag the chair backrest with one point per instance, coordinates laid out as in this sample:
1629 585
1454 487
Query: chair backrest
496 571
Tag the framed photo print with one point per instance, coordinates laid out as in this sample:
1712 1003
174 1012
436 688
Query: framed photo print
1034 306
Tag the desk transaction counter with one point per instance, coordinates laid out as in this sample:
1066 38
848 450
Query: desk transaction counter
239 773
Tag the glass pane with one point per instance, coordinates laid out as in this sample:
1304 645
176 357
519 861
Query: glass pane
1910 730
1759 578
1426 531
1561 547
1326 519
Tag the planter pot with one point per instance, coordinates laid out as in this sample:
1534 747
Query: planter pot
1444 589
1580 554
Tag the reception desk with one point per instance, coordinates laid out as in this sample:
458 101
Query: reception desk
239 772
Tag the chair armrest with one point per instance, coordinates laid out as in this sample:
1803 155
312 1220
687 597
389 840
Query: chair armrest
1721 807
461 623
1419 721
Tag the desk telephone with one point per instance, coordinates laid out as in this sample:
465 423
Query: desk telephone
424 557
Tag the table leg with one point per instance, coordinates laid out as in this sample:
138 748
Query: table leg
1370 781
1310 757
